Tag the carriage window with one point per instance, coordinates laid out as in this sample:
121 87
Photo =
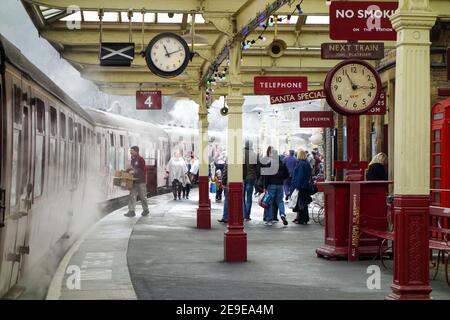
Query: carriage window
39 166
62 125
121 141
99 139
70 129
62 162
40 116
53 121
84 134
79 134
15 167
112 153
17 95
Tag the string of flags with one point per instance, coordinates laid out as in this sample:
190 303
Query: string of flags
221 75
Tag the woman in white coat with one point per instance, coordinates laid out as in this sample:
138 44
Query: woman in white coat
177 170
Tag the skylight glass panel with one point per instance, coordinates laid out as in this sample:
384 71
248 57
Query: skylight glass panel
91 16
149 17
284 20
164 18
111 17
317 20
72 17
50 13
198 18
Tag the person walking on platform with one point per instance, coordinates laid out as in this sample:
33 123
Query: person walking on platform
225 190
300 181
193 171
376 171
187 187
250 172
177 174
291 162
274 172
137 169
217 179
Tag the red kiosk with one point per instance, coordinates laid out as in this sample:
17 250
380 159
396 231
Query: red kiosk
352 88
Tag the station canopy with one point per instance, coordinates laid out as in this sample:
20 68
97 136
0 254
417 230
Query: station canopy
215 25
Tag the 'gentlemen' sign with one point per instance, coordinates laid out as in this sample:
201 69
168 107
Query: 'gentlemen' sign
279 85
362 20
316 119
295 97
365 51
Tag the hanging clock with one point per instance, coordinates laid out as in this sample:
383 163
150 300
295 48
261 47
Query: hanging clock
167 55
352 87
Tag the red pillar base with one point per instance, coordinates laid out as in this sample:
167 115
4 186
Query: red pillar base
204 204
235 239
411 252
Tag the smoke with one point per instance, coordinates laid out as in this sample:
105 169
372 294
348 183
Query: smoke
58 220
185 113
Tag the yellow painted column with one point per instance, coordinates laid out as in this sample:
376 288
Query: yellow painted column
235 242
412 21
203 135
204 204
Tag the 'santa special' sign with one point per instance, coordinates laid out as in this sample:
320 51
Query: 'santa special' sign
295 97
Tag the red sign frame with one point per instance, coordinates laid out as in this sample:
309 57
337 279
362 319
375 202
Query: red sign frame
362 20
295 97
352 50
142 102
279 85
316 119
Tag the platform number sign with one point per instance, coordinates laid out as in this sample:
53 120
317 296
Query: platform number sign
148 100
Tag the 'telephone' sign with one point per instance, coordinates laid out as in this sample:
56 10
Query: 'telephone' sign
362 20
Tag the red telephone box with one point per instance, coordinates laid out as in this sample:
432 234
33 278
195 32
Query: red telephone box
440 154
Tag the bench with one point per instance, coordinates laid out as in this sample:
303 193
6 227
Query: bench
439 235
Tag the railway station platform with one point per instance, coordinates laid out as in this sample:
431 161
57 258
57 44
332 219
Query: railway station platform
165 257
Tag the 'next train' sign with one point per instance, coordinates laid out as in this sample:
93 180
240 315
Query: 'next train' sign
362 20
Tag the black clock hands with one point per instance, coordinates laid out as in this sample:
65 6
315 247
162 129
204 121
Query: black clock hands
354 86
167 52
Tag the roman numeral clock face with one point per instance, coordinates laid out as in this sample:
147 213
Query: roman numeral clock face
353 87
167 55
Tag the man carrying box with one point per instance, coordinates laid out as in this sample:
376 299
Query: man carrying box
139 187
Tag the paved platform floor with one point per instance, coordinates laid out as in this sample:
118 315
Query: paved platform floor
164 256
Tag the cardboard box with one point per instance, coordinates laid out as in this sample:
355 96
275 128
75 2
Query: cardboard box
123 179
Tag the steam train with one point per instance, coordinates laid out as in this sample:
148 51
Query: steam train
57 164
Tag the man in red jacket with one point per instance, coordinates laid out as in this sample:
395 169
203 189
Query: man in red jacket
139 187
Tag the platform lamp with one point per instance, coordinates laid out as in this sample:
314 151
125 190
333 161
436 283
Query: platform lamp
193 38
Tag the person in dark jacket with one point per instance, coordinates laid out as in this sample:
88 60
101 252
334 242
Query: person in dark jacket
376 170
137 169
291 162
300 181
274 172
225 192
250 172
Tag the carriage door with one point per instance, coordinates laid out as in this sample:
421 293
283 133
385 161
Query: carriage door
22 186
152 170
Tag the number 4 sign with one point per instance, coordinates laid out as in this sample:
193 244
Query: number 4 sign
148 100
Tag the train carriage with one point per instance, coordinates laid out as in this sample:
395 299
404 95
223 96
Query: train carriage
57 163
